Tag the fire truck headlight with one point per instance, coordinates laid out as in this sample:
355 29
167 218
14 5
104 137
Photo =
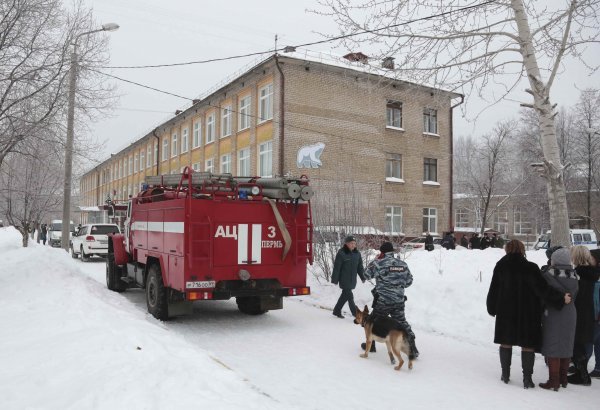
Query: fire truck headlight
244 274
255 190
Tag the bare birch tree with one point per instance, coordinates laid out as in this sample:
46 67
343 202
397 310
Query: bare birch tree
466 46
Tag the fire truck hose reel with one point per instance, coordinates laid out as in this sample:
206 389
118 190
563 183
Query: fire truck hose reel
284 232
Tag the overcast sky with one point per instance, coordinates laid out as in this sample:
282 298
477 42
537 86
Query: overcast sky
159 32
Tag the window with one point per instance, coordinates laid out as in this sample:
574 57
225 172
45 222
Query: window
130 166
501 221
149 156
265 159
393 167
430 169
209 165
120 175
429 219
244 162
430 121
462 218
196 167
522 227
135 162
184 140
165 148
226 164
156 153
142 160
226 121
210 128
244 113
394 114
393 219
265 106
174 150
197 136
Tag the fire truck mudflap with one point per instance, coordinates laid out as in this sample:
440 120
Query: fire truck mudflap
201 236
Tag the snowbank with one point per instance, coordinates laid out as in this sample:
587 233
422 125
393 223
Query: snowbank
69 343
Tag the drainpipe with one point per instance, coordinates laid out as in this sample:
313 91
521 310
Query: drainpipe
451 219
157 150
281 116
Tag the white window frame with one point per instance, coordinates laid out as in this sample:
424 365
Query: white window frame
130 168
184 140
136 162
393 111
196 166
501 221
461 218
392 213
142 159
430 123
165 149
155 157
427 174
210 128
226 121
149 156
393 167
174 147
197 134
225 164
265 103
521 227
209 165
244 118
243 162
265 154
430 217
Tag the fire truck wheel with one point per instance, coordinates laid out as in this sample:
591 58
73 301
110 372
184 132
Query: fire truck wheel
73 254
84 256
113 273
156 294
250 305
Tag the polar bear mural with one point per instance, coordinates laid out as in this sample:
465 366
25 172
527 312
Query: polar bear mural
309 156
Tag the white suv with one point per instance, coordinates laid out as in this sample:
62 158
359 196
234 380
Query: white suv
92 240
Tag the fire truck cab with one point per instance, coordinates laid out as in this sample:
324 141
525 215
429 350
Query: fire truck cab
202 236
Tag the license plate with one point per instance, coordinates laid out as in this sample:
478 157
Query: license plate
200 285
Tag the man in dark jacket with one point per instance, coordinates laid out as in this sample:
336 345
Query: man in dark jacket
428 242
348 263
475 241
392 276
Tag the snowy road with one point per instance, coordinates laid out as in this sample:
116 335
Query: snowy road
303 356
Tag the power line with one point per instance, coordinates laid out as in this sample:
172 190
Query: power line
328 40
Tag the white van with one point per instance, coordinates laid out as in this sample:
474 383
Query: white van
585 237
55 232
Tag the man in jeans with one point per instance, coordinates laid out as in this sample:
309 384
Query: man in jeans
348 263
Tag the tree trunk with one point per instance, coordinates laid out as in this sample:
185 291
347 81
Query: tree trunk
25 236
557 198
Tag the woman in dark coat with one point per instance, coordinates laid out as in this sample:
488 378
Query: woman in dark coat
559 324
588 273
348 263
515 299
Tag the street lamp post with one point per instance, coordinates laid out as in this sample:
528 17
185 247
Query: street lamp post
69 143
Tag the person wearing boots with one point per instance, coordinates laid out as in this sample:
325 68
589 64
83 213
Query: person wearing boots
559 323
588 273
515 299
348 263
392 276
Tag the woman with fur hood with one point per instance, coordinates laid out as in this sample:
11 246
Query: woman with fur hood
515 299
588 273
559 324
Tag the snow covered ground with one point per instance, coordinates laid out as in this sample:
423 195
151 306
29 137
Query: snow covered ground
69 343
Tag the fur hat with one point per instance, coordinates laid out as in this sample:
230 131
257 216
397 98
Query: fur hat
561 257
386 247
350 238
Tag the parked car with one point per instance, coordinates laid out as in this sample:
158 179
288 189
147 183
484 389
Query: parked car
419 243
55 232
92 240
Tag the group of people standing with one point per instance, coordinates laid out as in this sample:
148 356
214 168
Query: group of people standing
391 275
484 242
554 311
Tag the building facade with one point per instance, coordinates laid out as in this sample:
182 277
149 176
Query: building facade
377 150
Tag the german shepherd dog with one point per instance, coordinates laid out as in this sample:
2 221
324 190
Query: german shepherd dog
385 330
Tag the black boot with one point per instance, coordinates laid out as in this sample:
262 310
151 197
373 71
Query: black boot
364 346
505 361
581 375
527 360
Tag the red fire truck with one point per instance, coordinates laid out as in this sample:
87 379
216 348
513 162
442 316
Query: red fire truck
198 236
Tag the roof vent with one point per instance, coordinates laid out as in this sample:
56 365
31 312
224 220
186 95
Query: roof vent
354 57
388 63
196 101
177 112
